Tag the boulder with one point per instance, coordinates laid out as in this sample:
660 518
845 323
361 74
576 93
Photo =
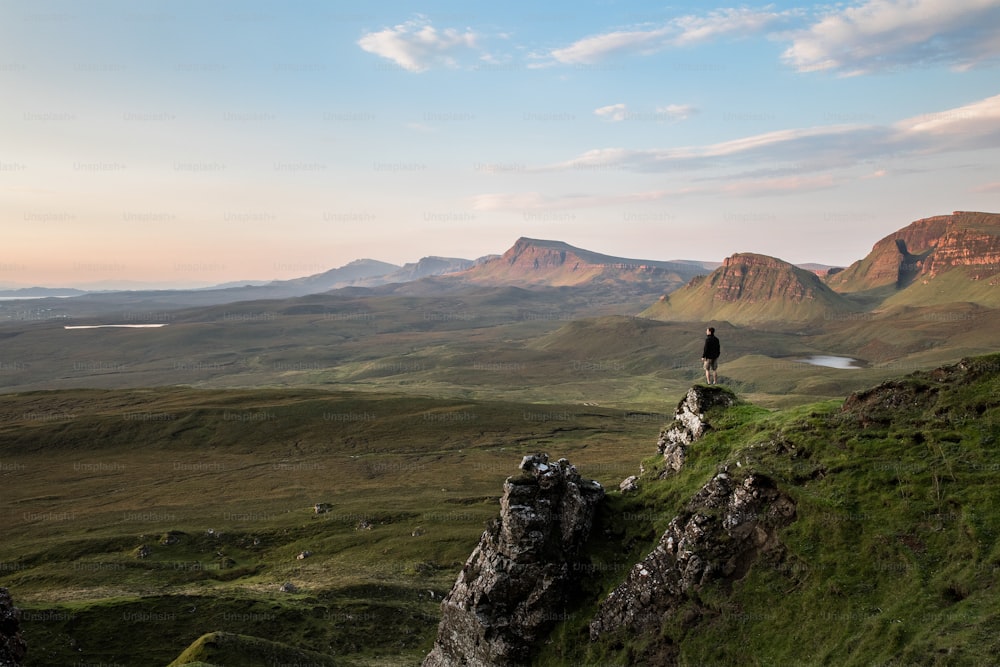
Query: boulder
628 484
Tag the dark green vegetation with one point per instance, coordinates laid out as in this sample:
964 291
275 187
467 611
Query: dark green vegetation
894 557
138 521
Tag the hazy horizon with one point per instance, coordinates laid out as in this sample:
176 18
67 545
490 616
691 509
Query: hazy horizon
179 144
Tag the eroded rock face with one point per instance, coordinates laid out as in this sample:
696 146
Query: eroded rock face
716 538
926 248
514 586
689 423
13 648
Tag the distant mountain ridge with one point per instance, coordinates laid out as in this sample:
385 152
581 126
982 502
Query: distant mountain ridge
424 268
556 264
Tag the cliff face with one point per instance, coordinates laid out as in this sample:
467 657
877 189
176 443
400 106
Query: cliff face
514 586
752 278
924 249
13 648
751 288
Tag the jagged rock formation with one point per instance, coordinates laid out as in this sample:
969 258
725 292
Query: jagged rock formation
720 533
751 288
924 249
13 648
689 424
716 538
514 586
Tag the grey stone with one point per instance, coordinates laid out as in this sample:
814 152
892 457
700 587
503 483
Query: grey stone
717 537
689 424
517 582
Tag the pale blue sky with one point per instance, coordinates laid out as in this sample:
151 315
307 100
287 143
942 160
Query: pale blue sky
192 142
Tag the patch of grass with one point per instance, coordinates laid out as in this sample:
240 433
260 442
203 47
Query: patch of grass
894 551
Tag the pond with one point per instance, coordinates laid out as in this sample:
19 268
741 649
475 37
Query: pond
829 361
113 326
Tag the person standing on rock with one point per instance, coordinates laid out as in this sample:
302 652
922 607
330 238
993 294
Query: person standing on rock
710 356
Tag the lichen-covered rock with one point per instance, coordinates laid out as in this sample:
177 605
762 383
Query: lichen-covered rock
13 648
515 585
716 538
689 423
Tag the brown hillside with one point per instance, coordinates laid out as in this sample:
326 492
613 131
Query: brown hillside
925 248
555 264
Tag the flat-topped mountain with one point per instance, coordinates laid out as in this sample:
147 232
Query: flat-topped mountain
925 249
554 263
751 288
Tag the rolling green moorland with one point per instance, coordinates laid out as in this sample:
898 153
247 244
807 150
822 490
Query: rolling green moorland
299 480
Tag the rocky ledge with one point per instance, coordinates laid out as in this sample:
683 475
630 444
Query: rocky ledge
720 533
689 423
516 584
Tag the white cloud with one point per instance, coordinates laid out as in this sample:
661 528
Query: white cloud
613 112
882 35
417 46
739 22
799 160
677 112
590 50
679 32
974 126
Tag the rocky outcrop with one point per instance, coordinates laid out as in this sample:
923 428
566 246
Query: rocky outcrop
13 648
516 584
721 532
689 424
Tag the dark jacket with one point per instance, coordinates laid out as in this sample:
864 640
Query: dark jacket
712 347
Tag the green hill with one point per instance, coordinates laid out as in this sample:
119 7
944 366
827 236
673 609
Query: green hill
752 289
893 556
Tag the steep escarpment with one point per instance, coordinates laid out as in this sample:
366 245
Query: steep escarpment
515 585
751 288
925 249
